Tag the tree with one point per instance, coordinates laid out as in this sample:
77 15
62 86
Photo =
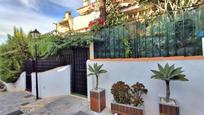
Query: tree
115 16
13 55
171 7
168 73
102 8
96 70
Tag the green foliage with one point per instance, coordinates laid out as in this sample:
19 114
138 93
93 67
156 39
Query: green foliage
46 46
115 16
124 94
96 28
51 45
20 47
13 55
169 73
76 40
171 7
127 47
96 70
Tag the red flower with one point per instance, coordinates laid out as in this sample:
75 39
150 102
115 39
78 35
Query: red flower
99 21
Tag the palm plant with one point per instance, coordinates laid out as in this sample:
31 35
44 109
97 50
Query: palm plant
96 70
168 73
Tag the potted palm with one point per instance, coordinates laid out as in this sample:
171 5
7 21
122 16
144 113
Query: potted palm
97 95
168 73
128 100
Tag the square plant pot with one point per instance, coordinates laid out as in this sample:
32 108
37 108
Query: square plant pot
123 109
97 100
170 108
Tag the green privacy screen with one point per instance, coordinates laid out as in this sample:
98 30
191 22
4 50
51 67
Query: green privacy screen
164 35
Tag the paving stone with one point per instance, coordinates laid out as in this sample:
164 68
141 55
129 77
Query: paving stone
18 112
81 113
10 101
65 105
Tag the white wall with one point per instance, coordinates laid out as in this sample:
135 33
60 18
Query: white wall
21 82
189 95
80 22
55 82
19 85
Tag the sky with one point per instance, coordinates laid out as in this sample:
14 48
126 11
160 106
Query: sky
31 14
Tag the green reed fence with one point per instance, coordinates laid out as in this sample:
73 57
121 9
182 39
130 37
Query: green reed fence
163 35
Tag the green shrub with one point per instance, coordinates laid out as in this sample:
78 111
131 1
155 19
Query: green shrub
13 55
49 45
20 47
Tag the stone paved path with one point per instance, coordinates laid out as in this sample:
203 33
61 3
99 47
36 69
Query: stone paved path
11 101
68 105
65 105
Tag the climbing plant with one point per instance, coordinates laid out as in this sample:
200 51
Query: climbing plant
114 14
51 45
171 7
127 47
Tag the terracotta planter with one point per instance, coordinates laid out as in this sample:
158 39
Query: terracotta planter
168 109
97 100
123 109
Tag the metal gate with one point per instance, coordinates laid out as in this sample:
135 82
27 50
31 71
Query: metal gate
79 77
77 58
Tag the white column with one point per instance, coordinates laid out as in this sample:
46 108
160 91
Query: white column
203 45
91 51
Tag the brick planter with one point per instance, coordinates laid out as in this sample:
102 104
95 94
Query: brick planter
167 109
97 100
123 109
